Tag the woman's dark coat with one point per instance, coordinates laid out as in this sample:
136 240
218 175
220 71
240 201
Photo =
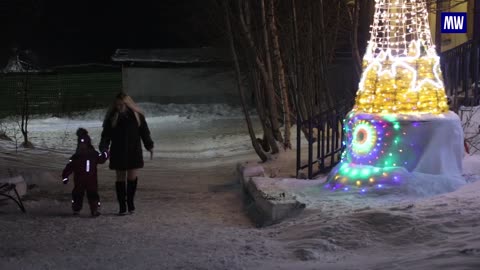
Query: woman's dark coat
125 137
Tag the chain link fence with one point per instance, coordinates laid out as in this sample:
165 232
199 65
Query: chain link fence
58 93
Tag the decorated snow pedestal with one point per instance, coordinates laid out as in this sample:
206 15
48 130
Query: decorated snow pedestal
400 127
386 150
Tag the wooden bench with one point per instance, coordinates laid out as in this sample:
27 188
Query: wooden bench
6 188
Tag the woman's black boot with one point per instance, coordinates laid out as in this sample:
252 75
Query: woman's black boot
120 187
131 189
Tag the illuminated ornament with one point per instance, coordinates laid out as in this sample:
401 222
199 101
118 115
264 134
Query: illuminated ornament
401 96
364 138
401 67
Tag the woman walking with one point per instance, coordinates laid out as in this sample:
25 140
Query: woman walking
124 128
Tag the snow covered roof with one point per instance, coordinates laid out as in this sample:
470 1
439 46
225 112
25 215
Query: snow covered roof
172 56
15 65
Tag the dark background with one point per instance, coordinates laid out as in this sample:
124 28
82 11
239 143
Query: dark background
61 32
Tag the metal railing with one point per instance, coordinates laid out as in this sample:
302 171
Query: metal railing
325 135
324 132
461 73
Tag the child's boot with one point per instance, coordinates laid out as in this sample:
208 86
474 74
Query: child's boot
94 202
77 201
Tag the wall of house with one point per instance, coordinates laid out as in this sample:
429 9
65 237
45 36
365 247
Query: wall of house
180 85
450 41
201 85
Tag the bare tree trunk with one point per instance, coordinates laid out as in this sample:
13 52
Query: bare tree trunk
301 104
268 135
354 12
270 91
251 132
287 58
299 101
25 115
267 44
281 75
323 59
335 33
268 141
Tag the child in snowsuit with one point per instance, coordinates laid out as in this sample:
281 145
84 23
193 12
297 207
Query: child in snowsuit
83 164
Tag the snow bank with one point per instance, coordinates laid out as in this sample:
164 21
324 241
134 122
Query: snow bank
191 131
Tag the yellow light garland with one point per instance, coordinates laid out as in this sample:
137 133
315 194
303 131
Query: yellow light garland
401 67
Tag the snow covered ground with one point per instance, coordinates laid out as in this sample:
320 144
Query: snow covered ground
180 131
190 213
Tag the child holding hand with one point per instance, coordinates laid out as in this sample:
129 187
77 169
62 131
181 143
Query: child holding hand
83 165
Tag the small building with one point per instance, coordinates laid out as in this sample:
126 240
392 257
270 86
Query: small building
185 76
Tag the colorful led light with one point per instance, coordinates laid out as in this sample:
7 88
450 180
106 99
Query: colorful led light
401 67
401 77
364 137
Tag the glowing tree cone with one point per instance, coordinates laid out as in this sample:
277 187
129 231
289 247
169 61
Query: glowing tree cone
401 86
401 67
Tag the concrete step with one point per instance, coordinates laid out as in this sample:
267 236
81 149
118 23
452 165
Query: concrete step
266 202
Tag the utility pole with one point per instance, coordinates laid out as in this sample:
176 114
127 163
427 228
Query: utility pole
438 27
476 20
476 42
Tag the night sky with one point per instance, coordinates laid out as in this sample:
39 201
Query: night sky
72 31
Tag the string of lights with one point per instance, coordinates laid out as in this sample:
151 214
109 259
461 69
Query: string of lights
400 84
401 67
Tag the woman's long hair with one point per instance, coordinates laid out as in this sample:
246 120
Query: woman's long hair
112 113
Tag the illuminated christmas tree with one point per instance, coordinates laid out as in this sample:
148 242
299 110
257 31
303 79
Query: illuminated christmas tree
401 67
400 105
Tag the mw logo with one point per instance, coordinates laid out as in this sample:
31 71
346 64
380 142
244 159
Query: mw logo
454 22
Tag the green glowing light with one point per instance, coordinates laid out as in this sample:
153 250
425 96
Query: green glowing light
390 117
365 172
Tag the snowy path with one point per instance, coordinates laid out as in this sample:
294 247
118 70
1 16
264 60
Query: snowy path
190 213
193 219
186 220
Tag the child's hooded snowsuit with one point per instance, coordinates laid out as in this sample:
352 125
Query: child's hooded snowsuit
83 164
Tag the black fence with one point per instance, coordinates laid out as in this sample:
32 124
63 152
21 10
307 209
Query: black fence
325 135
460 67
461 74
